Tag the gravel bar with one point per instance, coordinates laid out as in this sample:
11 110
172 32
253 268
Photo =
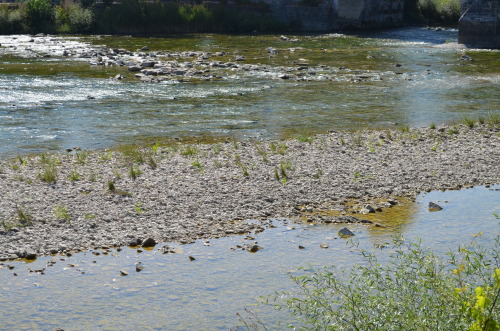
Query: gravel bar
81 200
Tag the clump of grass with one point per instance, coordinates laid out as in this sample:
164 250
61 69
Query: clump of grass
305 139
151 161
433 126
81 157
7 226
138 208
112 189
106 156
111 186
62 213
404 128
93 177
190 151
155 148
134 172
21 160
493 119
458 292
453 130
278 149
217 149
196 163
469 122
132 153
23 216
89 216
262 153
435 147
48 174
74 176
357 140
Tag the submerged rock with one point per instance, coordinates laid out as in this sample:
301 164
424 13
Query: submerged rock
345 233
434 207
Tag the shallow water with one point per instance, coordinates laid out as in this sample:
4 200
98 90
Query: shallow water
44 102
86 291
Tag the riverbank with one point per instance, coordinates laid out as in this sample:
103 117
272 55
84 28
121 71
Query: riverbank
63 203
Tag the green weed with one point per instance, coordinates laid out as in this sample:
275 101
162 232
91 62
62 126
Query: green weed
62 213
48 174
411 289
190 151
23 216
74 176
134 172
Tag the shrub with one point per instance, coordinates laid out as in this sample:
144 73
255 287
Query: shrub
39 15
413 290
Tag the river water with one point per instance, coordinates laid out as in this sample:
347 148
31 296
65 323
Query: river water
86 292
416 77
411 76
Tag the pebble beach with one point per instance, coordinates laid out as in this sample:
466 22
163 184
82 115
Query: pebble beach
148 195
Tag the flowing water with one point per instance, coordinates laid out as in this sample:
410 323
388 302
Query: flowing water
86 291
411 77
416 77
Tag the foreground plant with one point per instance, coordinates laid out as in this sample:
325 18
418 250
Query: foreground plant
413 290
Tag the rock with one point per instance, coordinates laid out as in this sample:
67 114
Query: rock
145 48
139 267
254 248
345 233
323 245
134 68
149 243
191 258
367 209
123 273
434 207
30 255
301 247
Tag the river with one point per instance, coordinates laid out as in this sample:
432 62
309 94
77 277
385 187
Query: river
410 76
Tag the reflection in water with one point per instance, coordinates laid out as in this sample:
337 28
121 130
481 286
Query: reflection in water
86 291
408 80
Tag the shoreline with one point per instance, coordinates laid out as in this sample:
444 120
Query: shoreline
65 203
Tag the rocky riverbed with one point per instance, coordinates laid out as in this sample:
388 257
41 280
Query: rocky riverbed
141 196
193 65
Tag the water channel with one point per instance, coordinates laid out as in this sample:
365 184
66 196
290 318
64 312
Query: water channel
173 292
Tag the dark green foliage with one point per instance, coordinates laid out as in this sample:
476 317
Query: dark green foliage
39 15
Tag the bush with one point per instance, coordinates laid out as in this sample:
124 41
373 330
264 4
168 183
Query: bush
39 15
73 18
10 21
414 290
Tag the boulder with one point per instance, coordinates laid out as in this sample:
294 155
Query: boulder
434 207
345 233
149 243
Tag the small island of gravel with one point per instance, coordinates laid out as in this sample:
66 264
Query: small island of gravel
66 202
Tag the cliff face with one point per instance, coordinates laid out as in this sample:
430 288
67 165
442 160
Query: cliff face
479 25
327 15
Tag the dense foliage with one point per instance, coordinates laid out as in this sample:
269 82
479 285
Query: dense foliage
133 16
157 17
413 290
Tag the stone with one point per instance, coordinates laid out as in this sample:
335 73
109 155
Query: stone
434 207
345 233
134 68
139 267
123 273
323 245
149 243
30 255
367 209
191 258
253 248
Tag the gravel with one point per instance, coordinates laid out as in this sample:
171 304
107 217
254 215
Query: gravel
181 193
